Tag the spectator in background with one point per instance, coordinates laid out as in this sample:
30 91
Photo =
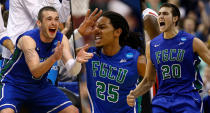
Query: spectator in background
153 4
177 3
189 25
198 21
123 9
4 40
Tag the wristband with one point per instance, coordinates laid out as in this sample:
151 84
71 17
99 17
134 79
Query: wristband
73 67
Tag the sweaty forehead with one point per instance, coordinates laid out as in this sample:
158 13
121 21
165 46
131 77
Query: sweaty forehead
103 20
165 9
50 13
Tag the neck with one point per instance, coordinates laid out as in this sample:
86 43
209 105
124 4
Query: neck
44 38
111 50
171 33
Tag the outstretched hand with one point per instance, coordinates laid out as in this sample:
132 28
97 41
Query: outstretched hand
131 99
87 26
82 55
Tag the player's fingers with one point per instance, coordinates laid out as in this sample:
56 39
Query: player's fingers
58 44
132 92
61 46
85 47
130 102
130 97
97 15
88 57
89 54
93 13
87 14
82 60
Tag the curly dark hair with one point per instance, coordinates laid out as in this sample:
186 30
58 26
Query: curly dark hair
132 39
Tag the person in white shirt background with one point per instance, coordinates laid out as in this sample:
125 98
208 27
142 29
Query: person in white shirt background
5 41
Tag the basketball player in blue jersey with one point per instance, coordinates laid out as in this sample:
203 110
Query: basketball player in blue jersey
24 76
116 65
173 55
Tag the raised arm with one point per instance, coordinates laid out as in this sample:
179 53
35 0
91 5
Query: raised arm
150 23
202 50
87 26
146 83
37 68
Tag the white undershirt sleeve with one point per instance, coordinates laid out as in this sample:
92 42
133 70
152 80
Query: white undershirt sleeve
73 67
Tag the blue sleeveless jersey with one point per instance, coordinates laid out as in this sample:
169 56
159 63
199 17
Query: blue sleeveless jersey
16 70
175 63
110 79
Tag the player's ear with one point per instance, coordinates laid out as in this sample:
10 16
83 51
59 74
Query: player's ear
118 32
38 22
175 19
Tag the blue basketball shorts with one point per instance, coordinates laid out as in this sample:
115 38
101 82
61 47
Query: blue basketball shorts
175 103
38 98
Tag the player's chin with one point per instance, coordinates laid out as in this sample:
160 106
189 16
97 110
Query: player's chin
99 46
162 29
52 36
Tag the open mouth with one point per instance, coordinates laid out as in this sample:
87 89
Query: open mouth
97 39
52 30
162 23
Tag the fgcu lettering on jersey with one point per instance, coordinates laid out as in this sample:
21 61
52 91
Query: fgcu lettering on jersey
104 70
170 55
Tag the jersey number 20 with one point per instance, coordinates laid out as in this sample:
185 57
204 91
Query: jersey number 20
175 71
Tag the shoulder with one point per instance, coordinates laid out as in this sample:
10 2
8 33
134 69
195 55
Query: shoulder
128 49
26 42
31 33
156 39
184 35
60 35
